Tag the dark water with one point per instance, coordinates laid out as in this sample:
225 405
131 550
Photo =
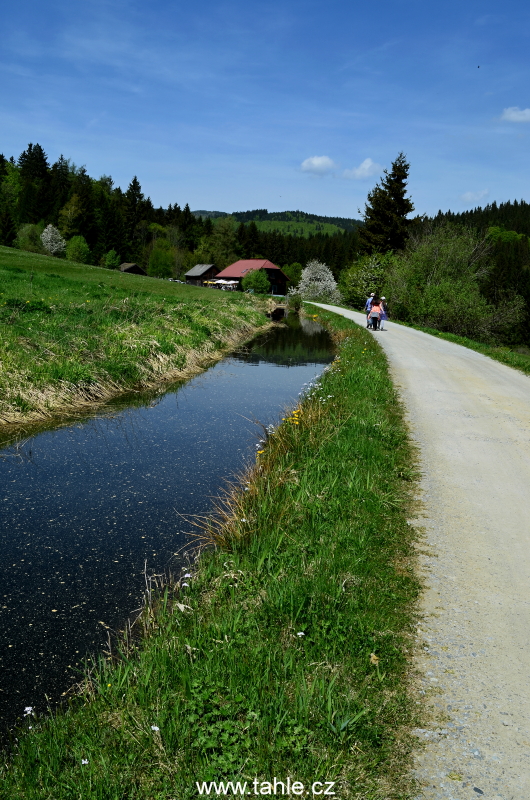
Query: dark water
84 506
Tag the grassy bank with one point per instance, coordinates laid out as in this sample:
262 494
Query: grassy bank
283 652
73 335
516 357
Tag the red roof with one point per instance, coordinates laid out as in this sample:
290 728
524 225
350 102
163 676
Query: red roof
241 268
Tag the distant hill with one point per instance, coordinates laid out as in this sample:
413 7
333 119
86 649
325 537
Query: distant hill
297 223
210 214
512 215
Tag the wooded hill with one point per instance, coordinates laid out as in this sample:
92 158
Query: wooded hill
508 227
261 215
512 216
104 226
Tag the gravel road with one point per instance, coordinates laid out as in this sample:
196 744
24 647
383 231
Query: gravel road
470 417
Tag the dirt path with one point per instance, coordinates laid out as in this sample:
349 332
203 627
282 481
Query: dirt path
470 417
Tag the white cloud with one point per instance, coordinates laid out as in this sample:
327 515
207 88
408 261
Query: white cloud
516 114
363 171
474 197
318 165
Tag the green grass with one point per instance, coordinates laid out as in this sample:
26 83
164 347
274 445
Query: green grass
222 683
506 355
71 333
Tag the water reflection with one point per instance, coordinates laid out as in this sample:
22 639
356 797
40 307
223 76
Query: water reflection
85 505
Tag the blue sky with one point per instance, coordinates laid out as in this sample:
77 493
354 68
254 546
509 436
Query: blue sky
279 105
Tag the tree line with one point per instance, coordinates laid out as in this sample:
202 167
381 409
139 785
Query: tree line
105 226
466 273
432 269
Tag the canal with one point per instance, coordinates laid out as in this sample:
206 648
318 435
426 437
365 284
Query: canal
86 506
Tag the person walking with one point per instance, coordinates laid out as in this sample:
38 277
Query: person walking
367 307
384 314
375 313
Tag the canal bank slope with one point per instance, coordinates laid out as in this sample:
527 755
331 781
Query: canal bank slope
74 336
282 655
470 417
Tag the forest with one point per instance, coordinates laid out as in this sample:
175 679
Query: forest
105 226
429 267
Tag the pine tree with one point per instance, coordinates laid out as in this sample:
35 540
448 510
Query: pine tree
386 210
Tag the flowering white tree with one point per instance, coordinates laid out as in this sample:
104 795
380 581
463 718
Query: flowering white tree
317 283
52 241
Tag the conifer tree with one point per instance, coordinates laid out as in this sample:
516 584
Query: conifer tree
134 199
34 199
3 166
82 186
8 229
60 183
386 210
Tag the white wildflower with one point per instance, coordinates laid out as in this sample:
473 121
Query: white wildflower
155 728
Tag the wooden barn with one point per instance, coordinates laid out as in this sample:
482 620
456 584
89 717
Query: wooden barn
132 269
239 269
200 273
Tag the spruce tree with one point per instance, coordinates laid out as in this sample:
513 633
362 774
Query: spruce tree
60 183
8 229
34 199
386 210
82 186
3 167
134 200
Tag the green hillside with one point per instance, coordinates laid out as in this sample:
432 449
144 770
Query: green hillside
294 223
72 335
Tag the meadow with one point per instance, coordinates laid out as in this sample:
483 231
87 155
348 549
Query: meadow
74 335
281 652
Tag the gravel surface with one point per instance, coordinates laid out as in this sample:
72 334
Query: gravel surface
470 417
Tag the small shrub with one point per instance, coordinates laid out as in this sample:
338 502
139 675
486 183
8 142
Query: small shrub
256 280
28 238
295 302
78 250
112 260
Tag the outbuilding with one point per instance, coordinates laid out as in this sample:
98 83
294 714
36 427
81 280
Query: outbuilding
132 269
239 269
201 273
